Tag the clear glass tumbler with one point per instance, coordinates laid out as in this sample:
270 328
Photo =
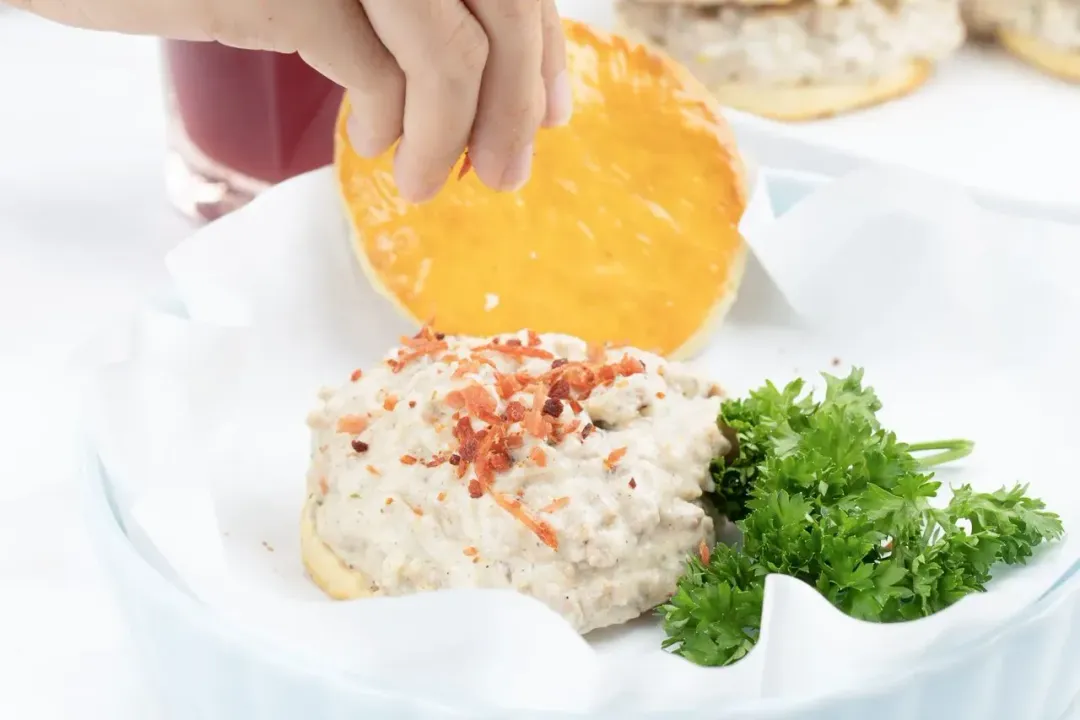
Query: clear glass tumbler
241 121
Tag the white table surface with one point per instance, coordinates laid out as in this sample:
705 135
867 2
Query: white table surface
84 225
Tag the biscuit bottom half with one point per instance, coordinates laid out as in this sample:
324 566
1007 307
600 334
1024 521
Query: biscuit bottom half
813 101
1062 62
328 571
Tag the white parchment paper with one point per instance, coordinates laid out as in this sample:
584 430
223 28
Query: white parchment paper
965 322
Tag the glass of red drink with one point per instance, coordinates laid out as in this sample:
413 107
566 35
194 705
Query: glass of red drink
241 121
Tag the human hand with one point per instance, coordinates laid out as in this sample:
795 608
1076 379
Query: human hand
440 75
446 74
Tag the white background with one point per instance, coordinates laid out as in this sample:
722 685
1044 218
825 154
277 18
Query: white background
83 228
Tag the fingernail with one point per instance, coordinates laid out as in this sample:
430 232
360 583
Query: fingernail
361 139
560 101
517 170
413 186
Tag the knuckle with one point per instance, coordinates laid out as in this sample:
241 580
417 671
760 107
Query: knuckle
515 11
466 47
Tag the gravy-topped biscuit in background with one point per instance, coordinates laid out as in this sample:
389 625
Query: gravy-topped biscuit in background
1042 33
627 231
801 59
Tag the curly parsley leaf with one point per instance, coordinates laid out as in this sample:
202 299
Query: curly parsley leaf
821 492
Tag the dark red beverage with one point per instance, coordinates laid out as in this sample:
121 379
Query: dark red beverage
242 120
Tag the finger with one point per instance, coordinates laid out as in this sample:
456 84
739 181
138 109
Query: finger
344 47
511 102
442 50
560 104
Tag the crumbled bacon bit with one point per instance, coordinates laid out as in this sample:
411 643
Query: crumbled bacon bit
470 551
390 403
373 470
715 391
506 385
412 403
441 496
415 352
491 444
466 166
575 406
581 377
571 427
513 342
518 351
556 504
475 490
515 441
359 445
560 389
606 375
614 457
468 448
553 407
587 430
356 375
436 461
558 363
630 366
424 334
499 461
418 512
535 423
389 501
323 487
596 354
538 456
408 460
703 552
454 459
462 429
515 411
534 339
465 367
632 484
440 336
541 529
660 396
352 424
449 358
478 400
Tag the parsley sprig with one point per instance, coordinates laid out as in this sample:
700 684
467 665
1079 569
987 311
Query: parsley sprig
821 492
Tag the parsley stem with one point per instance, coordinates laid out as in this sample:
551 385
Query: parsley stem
951 450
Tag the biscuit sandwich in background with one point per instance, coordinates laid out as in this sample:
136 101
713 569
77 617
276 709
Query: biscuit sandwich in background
801 59
1043 33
